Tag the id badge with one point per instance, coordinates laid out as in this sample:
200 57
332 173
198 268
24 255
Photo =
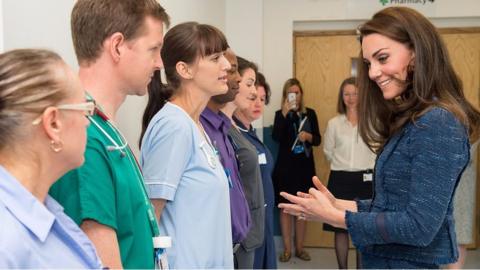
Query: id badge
367 177
160 245
229 177
262 159
161 260
298 149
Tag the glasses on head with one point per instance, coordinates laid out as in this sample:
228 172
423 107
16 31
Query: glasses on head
87 107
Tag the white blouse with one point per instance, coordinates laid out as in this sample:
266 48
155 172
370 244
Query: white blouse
344 148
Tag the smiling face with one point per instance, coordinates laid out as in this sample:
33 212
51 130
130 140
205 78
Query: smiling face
247 91
350 96
388 63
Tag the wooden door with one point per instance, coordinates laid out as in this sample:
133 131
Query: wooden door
464 49
322 62
323 59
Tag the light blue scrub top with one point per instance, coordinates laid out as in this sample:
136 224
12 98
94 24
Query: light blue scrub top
36 235
180 166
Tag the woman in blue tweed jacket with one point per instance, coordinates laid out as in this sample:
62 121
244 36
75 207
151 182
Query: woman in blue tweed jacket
415 116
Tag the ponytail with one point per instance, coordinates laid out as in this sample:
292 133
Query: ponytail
158 95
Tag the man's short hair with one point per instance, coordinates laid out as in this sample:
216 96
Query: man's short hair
92 21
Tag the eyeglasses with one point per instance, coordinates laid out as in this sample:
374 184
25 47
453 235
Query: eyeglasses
87 107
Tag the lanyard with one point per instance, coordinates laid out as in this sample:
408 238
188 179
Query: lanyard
302 122
134 163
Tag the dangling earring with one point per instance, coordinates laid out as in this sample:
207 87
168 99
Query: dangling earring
56 146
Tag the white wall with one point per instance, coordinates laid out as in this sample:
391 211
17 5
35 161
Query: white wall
244 31
39 24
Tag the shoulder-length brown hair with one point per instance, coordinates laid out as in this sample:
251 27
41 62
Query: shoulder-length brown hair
289 83
431 82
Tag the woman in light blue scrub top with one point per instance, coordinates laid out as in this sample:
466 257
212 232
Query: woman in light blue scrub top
183 175
43 135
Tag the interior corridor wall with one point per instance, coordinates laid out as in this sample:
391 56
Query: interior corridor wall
38 24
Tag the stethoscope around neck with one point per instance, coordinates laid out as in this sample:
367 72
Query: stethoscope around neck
115 146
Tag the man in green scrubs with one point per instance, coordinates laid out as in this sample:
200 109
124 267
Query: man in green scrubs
117 44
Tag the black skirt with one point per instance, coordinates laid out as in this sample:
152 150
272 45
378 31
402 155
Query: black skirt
348 186
294 176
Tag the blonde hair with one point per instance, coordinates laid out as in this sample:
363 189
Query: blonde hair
29 83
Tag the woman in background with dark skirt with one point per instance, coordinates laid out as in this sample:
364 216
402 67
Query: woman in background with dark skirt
351 162
296 130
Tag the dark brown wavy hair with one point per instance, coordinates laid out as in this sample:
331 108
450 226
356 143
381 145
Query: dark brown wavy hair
431 83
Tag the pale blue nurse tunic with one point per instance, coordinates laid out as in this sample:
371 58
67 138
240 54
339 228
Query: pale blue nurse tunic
180 165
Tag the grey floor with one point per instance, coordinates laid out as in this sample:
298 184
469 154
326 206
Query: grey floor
324 258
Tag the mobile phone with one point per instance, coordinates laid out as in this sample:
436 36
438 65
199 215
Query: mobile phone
292 100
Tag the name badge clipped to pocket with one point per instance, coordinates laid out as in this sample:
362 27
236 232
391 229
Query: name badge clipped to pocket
367 177
262 159
298 149
229 177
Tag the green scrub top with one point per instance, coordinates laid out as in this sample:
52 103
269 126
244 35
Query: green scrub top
108 188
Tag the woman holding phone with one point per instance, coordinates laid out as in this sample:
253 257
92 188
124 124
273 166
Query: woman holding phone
296 130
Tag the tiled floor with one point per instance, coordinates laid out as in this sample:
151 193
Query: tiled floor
324 258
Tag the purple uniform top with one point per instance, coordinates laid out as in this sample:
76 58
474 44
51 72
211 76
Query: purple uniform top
216 125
